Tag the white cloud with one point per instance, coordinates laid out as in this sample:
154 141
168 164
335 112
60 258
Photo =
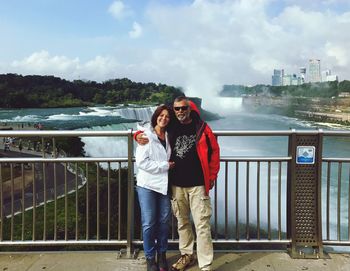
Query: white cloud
119 10
136 31
340 54
42 63
101 67
202 45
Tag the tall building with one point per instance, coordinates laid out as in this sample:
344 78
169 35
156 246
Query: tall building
314 70
287 80
302 75
324 75
277 77
327 76
332 77
295 81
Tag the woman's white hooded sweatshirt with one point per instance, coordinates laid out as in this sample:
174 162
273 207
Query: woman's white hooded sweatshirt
152 162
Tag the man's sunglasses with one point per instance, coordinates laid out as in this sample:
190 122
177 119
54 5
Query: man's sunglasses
184 108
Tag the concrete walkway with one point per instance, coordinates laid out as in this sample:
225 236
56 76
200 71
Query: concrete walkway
108 261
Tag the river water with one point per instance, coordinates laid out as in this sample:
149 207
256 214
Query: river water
234 117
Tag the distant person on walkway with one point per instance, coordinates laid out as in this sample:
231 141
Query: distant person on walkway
195 152
20 145
153 165
7 144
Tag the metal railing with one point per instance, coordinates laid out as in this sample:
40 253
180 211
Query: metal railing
336 212
90 200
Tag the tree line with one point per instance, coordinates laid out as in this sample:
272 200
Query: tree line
36 91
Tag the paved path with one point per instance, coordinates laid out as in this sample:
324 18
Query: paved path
108 261
39 183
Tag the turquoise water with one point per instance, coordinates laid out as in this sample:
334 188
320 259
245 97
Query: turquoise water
74 118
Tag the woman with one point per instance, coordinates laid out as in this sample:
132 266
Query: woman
153 164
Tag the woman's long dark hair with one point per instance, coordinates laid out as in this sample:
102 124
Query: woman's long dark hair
157 113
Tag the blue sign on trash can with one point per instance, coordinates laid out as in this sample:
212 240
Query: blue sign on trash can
305 155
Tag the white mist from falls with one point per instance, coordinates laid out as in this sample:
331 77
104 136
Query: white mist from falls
223 105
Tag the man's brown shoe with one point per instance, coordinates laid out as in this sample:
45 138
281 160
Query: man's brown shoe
185 261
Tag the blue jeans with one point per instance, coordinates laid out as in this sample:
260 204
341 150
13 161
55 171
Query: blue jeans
155 216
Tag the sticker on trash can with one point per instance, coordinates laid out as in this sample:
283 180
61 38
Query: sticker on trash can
305 155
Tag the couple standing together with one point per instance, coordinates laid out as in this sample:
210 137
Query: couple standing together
178 162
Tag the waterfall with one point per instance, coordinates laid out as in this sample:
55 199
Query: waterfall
136 113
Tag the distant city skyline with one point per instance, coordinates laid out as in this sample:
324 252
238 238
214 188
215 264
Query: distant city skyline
199 45
312 74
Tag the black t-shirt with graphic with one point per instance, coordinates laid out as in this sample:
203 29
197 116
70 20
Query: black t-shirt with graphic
187 171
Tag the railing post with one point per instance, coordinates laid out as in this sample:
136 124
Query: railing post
131 196
290 181
304 196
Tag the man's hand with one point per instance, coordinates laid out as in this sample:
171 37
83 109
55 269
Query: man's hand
142 139
211 184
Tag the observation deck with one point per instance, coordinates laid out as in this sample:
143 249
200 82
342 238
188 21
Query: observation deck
279 212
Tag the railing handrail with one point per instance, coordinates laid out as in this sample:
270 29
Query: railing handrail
62 133
63 160
72 133
124 159
335 159
281 132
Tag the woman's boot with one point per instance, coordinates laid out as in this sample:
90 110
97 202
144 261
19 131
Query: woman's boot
162 262
151 265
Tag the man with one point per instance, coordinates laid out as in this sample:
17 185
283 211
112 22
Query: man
195 152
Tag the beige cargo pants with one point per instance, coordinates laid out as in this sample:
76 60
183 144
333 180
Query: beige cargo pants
193 200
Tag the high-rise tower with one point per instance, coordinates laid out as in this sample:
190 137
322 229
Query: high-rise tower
277 77
302 75
314 70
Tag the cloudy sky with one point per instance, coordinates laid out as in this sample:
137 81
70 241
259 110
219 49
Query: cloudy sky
196 44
